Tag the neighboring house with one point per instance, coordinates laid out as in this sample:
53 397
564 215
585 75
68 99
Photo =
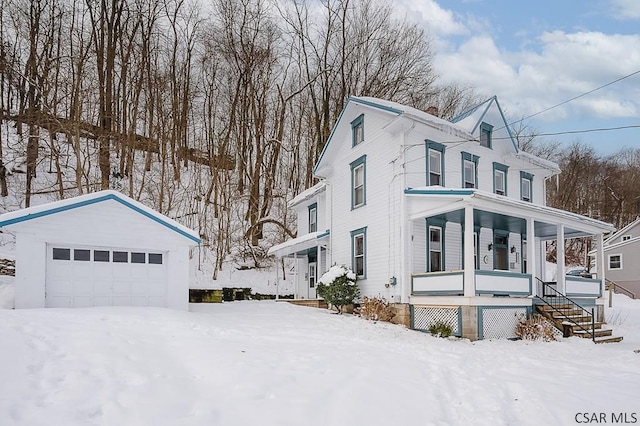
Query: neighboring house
99 249
622 258
447 218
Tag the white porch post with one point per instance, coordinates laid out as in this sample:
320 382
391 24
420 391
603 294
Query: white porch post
295 275
469 266
560 259
600 263
278 260
531 253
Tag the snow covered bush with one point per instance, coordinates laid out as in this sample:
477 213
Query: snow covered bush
535 328
376 309
338 287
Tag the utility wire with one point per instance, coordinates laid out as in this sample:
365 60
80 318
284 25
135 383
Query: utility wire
577 97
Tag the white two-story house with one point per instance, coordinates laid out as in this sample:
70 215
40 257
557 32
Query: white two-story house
448 218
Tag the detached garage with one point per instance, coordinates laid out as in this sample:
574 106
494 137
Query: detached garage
99 249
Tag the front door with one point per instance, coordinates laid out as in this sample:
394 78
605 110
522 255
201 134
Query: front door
500 251
312 280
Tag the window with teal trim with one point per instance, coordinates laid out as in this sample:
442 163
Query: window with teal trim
500 178
357 130
526 186
435 249
313 217
469 170
359 252
358 182
486 131
435 164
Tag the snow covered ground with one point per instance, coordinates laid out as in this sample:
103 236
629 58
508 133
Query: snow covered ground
272 363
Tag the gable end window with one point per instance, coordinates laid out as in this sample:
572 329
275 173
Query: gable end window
626 237
615 261
469 170
500 178
313 217
435 164
526 187
359 252
357 130
486 131
358 182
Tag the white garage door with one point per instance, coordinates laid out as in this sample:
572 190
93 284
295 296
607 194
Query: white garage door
89 276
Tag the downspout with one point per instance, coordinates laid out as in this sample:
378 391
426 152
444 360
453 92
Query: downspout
404 282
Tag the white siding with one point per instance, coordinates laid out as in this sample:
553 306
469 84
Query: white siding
453 251
419 246
486 256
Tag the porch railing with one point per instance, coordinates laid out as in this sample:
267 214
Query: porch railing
617 288
558 303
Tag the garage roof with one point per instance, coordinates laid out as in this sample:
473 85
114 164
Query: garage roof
35 212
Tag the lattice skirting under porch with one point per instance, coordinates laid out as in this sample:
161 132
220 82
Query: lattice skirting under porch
425 316
499 323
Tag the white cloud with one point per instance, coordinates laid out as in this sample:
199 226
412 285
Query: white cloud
439 21
627 9
558 67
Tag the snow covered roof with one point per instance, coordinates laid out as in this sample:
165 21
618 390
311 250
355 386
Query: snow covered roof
307 194
294 245
55 207
537 161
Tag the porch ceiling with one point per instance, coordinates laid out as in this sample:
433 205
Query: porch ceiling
497 212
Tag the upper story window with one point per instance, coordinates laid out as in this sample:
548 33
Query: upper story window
435 163
626 237
313 217
469 170
500 178
486 131
526 186
357 130
358 182
359 252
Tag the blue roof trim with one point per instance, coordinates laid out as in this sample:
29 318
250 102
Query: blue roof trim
443 191
376 105
468 112
488 102
506 125
94 201
335 126
324 234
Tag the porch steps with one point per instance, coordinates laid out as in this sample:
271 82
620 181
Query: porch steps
579 322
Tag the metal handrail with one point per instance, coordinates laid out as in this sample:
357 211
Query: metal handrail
560 296
617 286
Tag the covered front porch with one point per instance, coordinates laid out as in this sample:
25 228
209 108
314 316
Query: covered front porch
305 260
469 248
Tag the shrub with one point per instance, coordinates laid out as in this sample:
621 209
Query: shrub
440 329
338 287
376 309
535 328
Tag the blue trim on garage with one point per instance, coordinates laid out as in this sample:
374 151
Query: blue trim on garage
54 210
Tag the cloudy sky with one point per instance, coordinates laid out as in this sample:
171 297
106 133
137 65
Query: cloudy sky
534 55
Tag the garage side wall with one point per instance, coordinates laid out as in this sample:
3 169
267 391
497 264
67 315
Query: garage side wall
178 289
30 271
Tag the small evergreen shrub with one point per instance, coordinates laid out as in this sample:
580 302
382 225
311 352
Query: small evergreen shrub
440 329
376 309
535 328
338 287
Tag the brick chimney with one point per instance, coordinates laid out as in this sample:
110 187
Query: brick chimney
433 110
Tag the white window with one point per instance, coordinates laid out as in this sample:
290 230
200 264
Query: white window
469 174
626 237
435 167
358 248
526 189
615 261
358 186
435 249
313 218
499 179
